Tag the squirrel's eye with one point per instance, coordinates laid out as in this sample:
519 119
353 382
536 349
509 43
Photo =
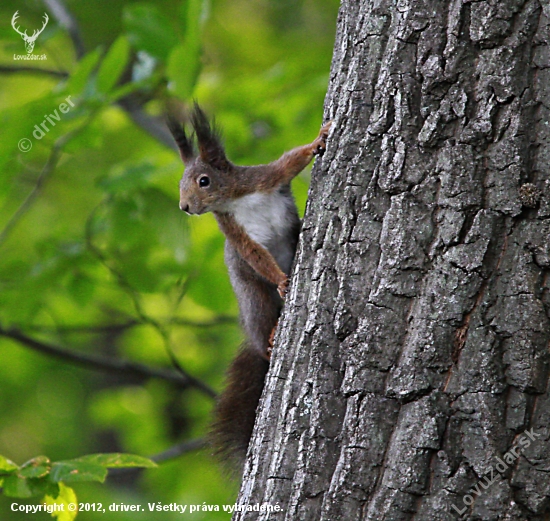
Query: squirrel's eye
204 181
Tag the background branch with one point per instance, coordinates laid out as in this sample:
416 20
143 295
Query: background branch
169 454
179 449
13 69
46 171
153 126
108 365
135 297
66 20
113 328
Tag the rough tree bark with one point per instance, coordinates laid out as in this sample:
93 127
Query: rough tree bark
414 346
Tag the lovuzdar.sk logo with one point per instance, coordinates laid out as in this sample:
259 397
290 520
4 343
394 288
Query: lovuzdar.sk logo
29 40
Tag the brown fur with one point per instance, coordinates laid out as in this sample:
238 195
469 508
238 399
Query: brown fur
256 255
233 423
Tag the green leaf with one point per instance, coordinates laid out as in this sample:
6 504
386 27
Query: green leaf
35 468
73 471
125 90
79 79
15 486
64 496
18 486
7 465
149 30
184 63
194 14
183 68
117 460
113 64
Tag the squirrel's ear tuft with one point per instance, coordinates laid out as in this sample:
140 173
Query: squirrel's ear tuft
184 143
210 146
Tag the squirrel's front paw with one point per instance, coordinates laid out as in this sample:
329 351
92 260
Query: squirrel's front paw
282 288
269 349
320 144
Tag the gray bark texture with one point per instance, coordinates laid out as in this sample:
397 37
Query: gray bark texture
413 351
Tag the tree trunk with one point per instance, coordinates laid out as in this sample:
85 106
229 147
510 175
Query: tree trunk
413 350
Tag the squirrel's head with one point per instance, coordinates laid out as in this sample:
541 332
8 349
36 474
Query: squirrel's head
206 184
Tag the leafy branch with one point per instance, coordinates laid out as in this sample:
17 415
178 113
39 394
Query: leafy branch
46 172
109 84
66 20
143 318
131 104
42 477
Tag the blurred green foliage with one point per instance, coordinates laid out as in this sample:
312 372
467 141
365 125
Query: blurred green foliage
40 477
95 256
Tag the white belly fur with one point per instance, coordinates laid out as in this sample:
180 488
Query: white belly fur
265 217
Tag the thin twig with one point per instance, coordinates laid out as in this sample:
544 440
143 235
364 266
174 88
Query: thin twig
179 449
32 70
105 364
47 170
153 126
143 317
166 455
123 326
66 20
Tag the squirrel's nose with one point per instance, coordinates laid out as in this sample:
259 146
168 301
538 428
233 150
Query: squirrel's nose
184 207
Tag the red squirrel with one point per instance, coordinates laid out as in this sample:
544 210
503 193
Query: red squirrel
256 212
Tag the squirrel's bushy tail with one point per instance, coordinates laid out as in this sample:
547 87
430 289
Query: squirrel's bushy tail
235 411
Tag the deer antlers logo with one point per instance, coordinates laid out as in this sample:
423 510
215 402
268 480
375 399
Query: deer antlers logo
29 40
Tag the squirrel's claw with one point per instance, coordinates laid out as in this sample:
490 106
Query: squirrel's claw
325 128
269 349
320 144
282 288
